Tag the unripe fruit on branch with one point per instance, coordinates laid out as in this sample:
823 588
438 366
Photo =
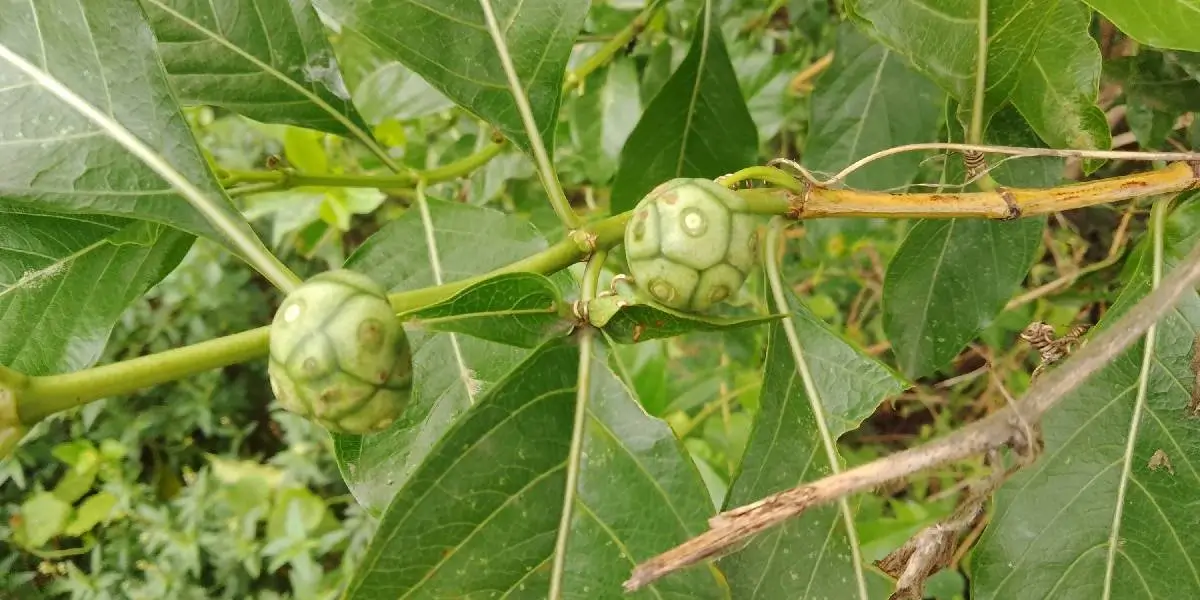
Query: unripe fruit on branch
690 244
339 355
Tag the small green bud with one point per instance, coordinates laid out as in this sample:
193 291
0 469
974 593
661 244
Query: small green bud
339 355
691 244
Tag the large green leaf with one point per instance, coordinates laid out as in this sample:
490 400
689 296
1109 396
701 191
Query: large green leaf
1107 479
1057 89
65 280
869 100
479 517
697 126
449 45
481 510
950 278
1162 23
639 494
1039 56
103 55
266 59
806 557
451 369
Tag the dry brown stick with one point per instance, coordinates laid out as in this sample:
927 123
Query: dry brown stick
1002 428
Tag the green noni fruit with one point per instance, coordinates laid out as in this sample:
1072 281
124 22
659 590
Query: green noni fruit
339 355
691 244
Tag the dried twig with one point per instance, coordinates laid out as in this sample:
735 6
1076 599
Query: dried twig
932 548
1002 428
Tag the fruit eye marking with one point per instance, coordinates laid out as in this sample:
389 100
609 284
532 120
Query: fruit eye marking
694 222
662 290
292 312
718 293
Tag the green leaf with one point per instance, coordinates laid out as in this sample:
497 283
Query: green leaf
696 126
43 517
869 100
1057 89
501 472
266 59
947 281
950 278
633 323
1158 88
59 59
1161 23
304 150
449 45
91 512
806 557
1052 529
662 500
65 280
603 118
519 309
1039 55
452 370
482 510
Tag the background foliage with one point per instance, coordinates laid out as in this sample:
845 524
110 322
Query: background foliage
315 122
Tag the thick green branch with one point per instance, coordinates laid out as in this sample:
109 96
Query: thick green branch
37 397
40 396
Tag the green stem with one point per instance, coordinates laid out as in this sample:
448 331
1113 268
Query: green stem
587 334
610 49
772 175
40 396
286 178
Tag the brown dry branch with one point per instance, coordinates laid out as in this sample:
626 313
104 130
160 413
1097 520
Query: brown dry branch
1006 427
932 548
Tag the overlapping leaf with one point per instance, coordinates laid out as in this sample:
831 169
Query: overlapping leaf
1056 522
696 126
950 278
661 501
1031 45
603 117
451 370
65 280
481 510
869 100
519 309
807 557
266 59
1057 89
633 323
1162 23
448 44
55 159
480 515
